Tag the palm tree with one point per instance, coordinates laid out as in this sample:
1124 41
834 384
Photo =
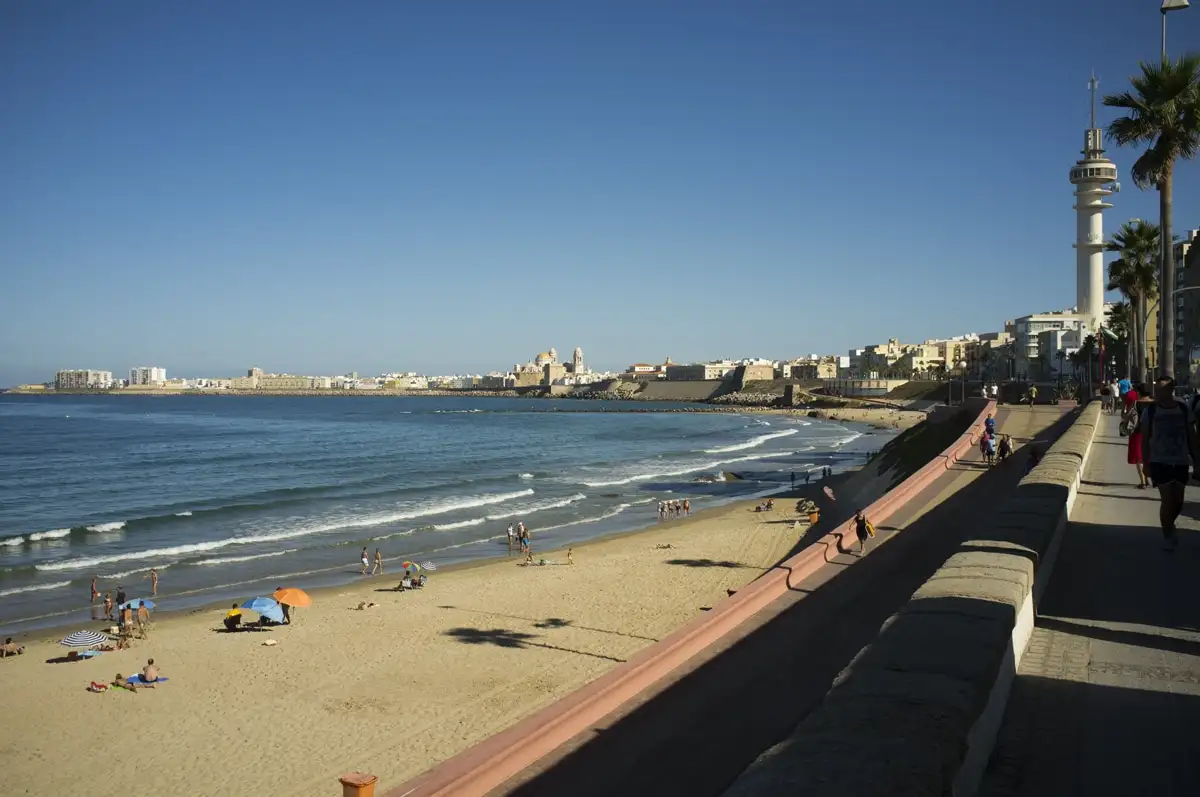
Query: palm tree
1164 115
1060 355
1133 274
1120 326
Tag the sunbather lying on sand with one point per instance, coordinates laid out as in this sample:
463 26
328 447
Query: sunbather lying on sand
120 683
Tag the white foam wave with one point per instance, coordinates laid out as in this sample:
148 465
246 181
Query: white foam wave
152 553
410 513
126 573
616 510
641 477
524 475
462 524
176 551
13 541
224 560
103 528
33 588
183 514
753 442
537 506
53 534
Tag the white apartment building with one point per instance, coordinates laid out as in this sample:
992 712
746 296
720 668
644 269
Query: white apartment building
1026 330
83 379
147 375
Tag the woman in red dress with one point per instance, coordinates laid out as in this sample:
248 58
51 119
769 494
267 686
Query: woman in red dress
1134 457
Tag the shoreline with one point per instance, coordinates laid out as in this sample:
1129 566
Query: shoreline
54 632
391 690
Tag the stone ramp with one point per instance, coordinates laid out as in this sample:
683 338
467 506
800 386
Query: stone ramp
1107 697
696 732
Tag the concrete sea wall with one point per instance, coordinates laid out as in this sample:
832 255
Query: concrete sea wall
917 711
481 768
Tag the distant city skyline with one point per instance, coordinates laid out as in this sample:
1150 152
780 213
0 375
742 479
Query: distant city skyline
318 189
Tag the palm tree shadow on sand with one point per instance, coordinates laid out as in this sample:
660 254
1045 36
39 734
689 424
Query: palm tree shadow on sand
507 638
705 563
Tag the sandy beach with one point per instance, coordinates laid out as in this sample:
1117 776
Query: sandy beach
389 690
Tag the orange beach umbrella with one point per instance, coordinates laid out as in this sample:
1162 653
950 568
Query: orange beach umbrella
292 596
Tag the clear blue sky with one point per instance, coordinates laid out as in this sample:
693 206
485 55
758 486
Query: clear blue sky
321 187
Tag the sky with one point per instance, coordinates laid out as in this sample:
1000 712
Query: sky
316 188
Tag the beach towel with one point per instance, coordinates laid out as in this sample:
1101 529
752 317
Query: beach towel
136 680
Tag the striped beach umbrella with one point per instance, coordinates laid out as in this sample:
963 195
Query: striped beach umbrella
84 639
429 565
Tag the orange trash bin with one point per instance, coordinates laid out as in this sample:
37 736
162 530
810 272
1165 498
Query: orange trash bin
358 784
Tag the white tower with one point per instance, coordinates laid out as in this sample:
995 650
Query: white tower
1093 178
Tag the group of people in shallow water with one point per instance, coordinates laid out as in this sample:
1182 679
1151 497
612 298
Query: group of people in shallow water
674 508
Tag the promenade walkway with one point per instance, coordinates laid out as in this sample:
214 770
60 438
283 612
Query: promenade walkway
1107 696
694 734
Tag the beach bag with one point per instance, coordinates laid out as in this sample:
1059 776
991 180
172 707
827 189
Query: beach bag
870 529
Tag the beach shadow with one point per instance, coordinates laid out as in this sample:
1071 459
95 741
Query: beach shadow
500 637
704 563
506 638
552 623
242 629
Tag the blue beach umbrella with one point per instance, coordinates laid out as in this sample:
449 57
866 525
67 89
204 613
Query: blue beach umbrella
137 603
267 607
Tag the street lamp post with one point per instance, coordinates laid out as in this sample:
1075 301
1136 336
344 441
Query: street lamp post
1167 7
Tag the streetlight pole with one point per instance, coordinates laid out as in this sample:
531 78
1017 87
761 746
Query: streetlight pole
1167 7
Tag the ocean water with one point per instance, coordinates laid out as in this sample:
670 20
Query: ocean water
233 496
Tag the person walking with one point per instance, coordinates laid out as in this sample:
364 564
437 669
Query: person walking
108 605
364 560
989 449
1032 394
95 594
378 567
1004 450
153 581
863 530
512 536
1133 451
1168 446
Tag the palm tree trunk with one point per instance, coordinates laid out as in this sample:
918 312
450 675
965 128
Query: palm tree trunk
1135 337
1166 346
1143 341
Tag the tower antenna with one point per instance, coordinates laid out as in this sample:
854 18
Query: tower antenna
1093 84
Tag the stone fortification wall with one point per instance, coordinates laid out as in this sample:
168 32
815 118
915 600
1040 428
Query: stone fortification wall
917 711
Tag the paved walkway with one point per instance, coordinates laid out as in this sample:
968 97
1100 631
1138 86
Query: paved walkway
695 733
1107 697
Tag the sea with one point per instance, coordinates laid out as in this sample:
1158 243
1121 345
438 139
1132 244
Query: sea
234 496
